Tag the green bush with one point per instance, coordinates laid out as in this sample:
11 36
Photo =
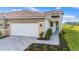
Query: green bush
63 32
41 34
48 34
0 34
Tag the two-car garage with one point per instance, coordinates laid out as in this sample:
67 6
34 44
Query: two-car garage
24 29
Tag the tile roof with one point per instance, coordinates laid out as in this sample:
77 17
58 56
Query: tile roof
54 12
26 14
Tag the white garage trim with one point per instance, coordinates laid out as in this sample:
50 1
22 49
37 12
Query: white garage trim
24 29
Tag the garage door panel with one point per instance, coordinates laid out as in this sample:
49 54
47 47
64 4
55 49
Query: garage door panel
24 29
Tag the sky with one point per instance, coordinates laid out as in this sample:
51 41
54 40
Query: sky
71 14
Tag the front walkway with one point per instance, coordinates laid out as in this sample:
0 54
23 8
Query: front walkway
54 40
19 43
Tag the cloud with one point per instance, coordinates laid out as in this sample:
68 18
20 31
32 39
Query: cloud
34 9
75 7
26 8
58 8
69 16
31 8
16 9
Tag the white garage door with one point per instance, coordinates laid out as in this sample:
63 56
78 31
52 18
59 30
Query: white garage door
25 29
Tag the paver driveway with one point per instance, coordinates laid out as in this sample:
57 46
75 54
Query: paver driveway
19 43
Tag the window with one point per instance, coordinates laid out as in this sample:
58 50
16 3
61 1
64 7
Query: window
51 24
40 25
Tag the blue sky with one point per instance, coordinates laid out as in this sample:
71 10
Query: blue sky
70 13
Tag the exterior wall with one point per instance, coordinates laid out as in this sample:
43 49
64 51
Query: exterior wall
25 20
41 28
54 26
55 19
4 32
3 27
38 21
2 23
60 23
52 19
47 24
44 22
59 20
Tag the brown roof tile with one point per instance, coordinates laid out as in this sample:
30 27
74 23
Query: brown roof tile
26 14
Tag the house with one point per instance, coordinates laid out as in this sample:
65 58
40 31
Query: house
30 23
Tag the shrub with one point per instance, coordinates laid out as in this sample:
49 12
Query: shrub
44 46
65 49
48 33
41 34
0 34
55 49
63 32
35 45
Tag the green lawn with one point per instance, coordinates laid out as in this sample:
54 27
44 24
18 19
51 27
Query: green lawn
72 37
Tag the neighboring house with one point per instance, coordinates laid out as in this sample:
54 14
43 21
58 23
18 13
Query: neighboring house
30 23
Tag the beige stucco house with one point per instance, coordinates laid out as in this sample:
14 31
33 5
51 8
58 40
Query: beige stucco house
30 23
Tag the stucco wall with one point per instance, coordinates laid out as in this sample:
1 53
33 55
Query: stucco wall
41 28
52 19
54 26
2 23
38 21
60 23
47 25
55 19
25 20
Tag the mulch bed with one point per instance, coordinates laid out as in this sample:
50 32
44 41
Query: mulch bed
3 37
46 47
42 39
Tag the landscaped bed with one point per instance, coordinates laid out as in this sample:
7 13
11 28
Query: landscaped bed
47 35
46 47
1 36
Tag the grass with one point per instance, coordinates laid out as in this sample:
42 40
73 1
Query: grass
72 37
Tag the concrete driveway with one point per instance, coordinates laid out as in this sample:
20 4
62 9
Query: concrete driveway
15 43
19 43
